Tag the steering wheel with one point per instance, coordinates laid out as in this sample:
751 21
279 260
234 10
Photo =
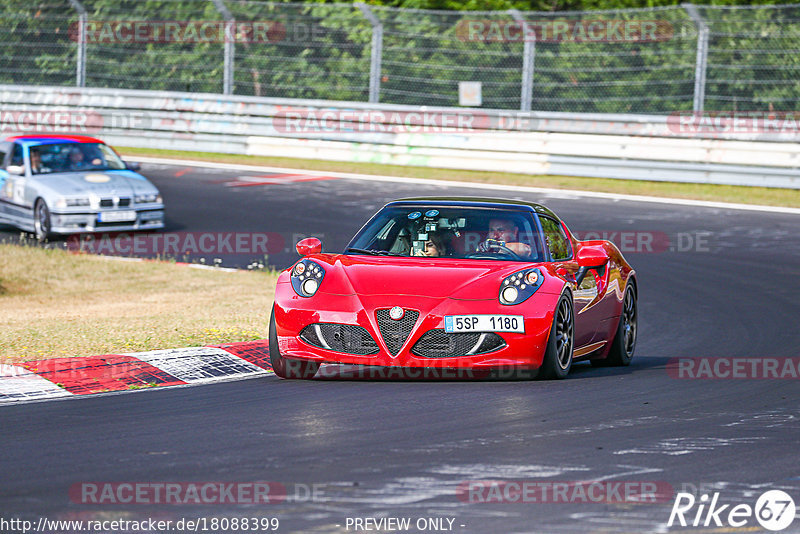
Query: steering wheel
504 249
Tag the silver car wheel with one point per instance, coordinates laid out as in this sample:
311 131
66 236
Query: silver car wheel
41 221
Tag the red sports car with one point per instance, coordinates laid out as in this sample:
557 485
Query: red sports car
456 283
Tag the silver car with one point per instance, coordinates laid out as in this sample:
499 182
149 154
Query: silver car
68 184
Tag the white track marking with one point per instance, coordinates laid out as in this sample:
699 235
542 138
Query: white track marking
492 187
19 384
201 364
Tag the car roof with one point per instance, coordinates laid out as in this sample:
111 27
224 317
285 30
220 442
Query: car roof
477 202
49 139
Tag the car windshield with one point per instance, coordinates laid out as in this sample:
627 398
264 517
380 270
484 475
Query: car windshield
73 157
450 232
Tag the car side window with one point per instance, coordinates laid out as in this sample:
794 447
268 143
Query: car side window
3 153
16 155
555 239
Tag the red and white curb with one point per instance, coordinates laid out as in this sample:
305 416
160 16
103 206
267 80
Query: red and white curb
66 377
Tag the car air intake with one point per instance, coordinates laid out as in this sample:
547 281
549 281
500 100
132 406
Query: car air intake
394 332
346 338
440 344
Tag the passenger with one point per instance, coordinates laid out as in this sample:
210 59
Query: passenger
435 246
76 162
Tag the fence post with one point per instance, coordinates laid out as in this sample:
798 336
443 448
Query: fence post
701 62
528 57
80 75
229 51
375 54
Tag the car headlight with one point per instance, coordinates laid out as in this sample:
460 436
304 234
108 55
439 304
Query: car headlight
71 202
148 199
518 287
307 275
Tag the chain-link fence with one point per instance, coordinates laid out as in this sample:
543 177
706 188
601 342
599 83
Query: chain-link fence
658 60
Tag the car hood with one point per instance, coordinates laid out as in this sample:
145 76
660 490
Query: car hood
437 278
101 183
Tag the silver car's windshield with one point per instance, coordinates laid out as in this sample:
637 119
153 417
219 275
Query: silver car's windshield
73 157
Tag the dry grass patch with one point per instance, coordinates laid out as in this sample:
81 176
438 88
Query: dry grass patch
55 303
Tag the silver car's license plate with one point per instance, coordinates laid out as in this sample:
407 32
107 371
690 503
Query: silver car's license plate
484 323
117 216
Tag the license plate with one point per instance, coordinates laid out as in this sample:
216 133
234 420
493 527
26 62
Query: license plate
117 216
484 323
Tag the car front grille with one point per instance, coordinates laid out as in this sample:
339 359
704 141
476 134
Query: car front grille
346 338
395 333
440 344
109 202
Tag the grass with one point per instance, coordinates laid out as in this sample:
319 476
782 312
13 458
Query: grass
719 193
55 303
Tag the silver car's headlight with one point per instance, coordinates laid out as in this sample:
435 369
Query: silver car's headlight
71 202
148 199
519 286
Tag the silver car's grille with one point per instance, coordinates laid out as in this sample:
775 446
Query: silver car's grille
350 339
109 202
440 344
395 333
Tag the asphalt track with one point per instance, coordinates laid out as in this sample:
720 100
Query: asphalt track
403 448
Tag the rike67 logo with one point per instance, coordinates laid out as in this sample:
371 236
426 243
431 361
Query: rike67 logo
774 510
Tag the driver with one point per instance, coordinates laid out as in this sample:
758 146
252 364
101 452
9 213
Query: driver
36 163
504 233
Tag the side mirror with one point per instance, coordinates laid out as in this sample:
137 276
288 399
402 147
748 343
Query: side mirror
592 256
16 169
132 165
309 245
589 257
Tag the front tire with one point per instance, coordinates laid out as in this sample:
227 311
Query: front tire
560 345
284 368
41 221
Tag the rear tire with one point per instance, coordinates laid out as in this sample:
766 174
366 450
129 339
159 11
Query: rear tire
624 343
292 369
41 221
561 343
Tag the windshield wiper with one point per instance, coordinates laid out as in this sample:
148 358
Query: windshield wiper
374 252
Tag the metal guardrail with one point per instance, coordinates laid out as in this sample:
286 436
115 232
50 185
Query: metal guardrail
609 146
